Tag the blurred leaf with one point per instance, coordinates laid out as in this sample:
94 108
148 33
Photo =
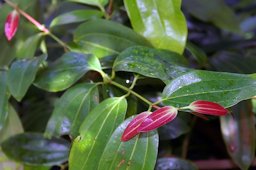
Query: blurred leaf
66 70
71 109
75 17
99 3
226 89
7 52
28 167
175 164
22 74
150 62
28 48
161 22
34 149
6 164
104 38
4 97
238 131
95 132
139 153
215 11
198 54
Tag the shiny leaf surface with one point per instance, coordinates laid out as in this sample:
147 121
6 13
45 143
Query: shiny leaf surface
66 70
95 132
161 22
71 109
139 153
4 96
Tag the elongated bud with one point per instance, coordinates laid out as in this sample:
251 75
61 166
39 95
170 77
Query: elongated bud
11 24
158 118
132 128
209 108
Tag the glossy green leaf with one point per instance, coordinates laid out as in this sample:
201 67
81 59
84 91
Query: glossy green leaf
66 70
95 132
71 109
34 149
226 89
174 163
75 17
4 96
21 75
198 54
150 62
215 11
161 22
238 132
104 38
28 48
99 3
139 153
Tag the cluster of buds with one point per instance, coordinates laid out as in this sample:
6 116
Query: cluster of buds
11 24
147 121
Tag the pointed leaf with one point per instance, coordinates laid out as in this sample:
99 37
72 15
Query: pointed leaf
140 153
174 163
4 96
11 24
22 74
95 132
161 22
66 70
238 132
34 149
227 89
71 110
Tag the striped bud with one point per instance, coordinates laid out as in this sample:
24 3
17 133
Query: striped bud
11 24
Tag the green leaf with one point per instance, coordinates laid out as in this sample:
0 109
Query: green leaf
238 132
104 38
161 22
28 167
71 109
215 11
4 97
139 153
75 17
7 164
150 62
34 149
22 74
198 54
226 89
66 70
174 163
95 132
28 48
99 3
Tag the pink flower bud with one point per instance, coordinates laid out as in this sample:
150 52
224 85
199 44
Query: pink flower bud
158 118
11 24
209 108
131 129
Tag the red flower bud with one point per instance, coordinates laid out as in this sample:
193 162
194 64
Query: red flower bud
206 107
132 128
11 24
158 118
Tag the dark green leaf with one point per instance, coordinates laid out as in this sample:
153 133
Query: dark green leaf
140 153
22 74
95 132
4 96
66 70
161 22
197 53
226 89
75 17
104 38
150 62
238 131
71 109
99 3
174 164
34 149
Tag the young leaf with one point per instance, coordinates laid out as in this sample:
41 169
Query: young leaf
34 149
66 70
95 132
139 153
4 96
71 109
225 88
150 62
161 22
11 24
21 75
75 17
238 132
